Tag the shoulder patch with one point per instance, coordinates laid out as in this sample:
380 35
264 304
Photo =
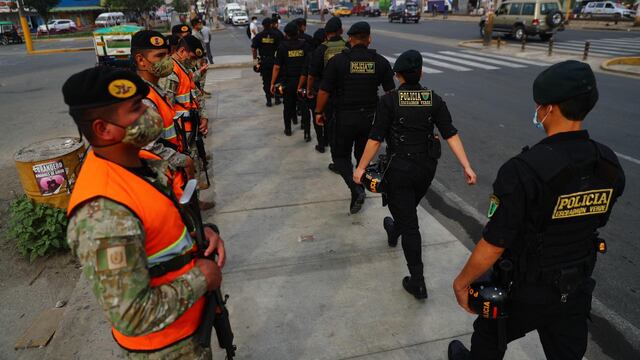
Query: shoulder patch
114 257
494 203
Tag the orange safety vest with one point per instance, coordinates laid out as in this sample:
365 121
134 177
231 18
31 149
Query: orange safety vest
178 178
184 98
167 112
166 237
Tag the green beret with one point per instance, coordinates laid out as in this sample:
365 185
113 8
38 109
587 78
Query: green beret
180 28
563 81
194 45
361 27
102 86
410 60
333 25
148 40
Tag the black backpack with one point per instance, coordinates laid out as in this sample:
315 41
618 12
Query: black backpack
248 31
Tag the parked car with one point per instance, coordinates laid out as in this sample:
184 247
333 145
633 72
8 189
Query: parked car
110 19
58 26
340 10
606 9
9 33
521 18
372 11
405 12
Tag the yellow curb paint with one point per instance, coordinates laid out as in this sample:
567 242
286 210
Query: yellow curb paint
59 51
631 60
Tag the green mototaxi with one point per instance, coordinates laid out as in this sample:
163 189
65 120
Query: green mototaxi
113 45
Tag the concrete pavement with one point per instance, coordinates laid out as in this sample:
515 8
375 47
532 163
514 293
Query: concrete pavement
338 296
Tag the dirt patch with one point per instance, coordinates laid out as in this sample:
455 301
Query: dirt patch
27 288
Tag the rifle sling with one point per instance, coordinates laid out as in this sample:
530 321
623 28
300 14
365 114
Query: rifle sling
173 264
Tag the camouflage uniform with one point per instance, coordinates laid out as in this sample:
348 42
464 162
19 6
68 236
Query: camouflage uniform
123 292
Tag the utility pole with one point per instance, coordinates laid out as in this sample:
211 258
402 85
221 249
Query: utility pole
636 21
567 7
25 27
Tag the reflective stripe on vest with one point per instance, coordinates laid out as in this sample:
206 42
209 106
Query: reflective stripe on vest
165 236
167 113
183 92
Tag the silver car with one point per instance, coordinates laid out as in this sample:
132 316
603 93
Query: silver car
606 9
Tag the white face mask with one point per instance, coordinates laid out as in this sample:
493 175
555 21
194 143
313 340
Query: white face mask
537 123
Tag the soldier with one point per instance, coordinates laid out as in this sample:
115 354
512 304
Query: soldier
200 70
291 58
353 77
405 119
125 227
264 46
321 55
547 205
181 30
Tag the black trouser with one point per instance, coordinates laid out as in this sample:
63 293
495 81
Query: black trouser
351 133
407 181
321 131
266 71
291 100
562 327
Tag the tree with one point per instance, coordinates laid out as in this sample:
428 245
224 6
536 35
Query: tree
42 7
141 7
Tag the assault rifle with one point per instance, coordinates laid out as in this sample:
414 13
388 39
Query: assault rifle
216 315
198 138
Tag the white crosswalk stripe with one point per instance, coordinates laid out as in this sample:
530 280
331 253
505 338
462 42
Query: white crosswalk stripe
425 69
459 61
598 47
508 58
468 60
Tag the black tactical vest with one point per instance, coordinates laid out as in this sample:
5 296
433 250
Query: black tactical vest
295 55
359 87
268 41
412 126
576 198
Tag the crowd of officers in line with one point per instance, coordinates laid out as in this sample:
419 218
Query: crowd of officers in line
129 233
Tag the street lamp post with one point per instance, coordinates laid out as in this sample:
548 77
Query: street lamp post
25 27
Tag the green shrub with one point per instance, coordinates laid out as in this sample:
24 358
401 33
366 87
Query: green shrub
38 228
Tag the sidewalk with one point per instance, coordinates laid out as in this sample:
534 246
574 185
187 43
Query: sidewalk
338 296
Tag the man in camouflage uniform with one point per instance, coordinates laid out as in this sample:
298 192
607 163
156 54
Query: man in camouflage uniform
120 214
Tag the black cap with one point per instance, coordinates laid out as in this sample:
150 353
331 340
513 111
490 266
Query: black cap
333 25
563 81
291 28
180 28
361 27
173 40
102 86
410 60
319 35
194 45
266 21
300 21
148 40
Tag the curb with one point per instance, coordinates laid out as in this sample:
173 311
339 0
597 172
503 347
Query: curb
465 43
59 51
230 65
631 60
631 29
64 39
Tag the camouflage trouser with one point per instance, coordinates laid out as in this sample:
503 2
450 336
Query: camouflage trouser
186 349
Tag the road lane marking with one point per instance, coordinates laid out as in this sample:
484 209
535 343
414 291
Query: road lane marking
628 158
459 61
425 69
523 61
595 45
483 59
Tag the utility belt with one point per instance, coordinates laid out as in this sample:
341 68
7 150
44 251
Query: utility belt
431 147
355 109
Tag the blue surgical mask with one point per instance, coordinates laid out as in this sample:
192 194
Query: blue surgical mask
536 122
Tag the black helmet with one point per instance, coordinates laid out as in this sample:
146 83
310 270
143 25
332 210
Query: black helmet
487 300
372 179
280 89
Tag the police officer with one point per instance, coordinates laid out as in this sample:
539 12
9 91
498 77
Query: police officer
302 28
353 77
263 48
405 119
546 207
323 53
124 225
290 61
319 37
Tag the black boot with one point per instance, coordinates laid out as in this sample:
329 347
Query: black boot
278 101
307 136
357 199
389 227
269 101
416 287
457 351
320 148
287 132
333 168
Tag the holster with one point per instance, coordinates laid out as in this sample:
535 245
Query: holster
434 149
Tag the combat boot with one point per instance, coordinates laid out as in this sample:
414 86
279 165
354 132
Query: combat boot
357 199
457 351
415 287
392 236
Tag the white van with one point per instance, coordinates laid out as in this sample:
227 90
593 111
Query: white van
110 19
229 9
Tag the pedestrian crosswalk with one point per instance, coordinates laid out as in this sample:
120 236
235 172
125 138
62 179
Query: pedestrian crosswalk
468 60
598 47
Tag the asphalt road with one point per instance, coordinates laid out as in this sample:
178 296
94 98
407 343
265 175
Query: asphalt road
492 108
